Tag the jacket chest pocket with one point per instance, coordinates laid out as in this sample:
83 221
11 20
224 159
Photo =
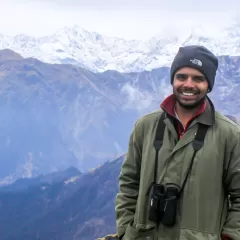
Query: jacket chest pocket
207 169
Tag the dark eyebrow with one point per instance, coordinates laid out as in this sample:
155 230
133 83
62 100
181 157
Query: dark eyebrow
183 75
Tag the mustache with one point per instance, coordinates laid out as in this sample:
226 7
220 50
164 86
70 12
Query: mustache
188 90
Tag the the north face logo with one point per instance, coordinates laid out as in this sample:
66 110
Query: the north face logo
196 61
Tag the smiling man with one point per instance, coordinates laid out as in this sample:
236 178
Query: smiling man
183 163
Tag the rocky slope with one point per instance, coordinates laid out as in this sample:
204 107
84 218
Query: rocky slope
79 207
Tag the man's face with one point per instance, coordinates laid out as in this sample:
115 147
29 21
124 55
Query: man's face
189 87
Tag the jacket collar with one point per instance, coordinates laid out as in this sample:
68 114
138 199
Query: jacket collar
206 116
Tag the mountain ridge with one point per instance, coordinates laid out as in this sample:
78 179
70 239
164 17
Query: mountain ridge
81 209
98 53
64 115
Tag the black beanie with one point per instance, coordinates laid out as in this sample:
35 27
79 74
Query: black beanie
197 57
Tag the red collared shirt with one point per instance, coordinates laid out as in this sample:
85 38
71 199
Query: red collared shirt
168 106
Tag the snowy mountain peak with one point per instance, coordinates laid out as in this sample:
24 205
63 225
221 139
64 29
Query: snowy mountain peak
232 31
200 33
76 45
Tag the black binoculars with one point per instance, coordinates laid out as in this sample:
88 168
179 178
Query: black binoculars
163 203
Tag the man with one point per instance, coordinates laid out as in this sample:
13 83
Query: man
189 197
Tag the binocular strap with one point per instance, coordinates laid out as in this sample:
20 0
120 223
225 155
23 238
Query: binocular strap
197 145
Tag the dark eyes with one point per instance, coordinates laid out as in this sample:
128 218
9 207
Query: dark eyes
194 78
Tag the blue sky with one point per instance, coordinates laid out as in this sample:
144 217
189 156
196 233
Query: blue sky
128 19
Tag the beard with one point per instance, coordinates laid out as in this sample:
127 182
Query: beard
193 105
189 106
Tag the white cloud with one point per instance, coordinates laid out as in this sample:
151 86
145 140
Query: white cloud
123 18
136 99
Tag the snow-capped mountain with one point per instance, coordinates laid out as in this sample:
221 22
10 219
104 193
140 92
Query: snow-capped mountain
99 53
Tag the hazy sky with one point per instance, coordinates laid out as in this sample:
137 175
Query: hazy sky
123 18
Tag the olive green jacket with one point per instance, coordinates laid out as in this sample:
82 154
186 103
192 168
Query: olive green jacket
203 208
